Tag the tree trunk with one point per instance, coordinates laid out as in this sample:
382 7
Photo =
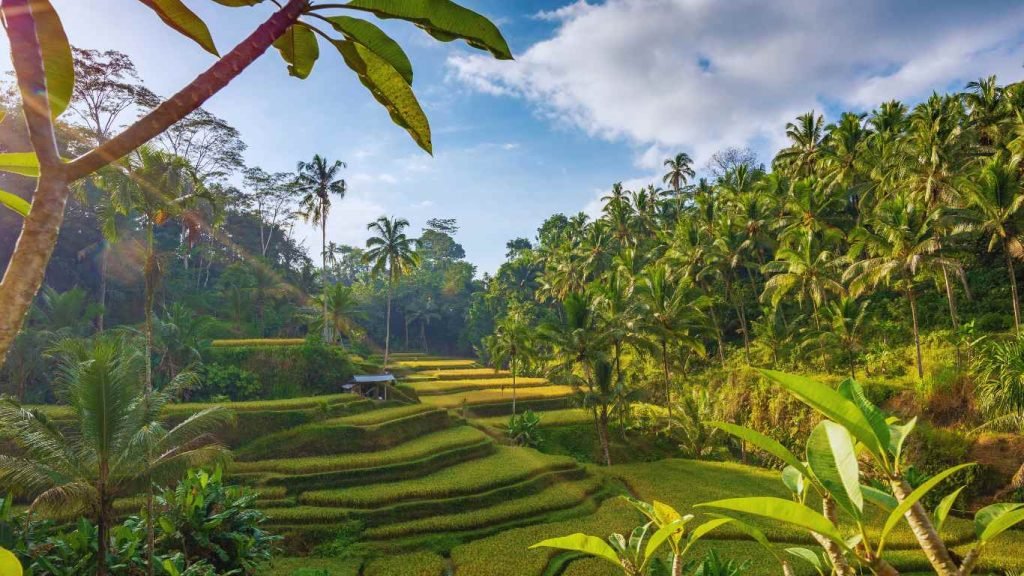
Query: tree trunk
1013 286
387 329
668 377
104 263
423 336
917 335
513 366
103 523
927 538
718 335
323 254
150 288
834 552
27 266
603 429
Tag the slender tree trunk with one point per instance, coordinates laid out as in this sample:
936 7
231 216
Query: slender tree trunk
1013 286
150 524
387 329
27 266
718 335
834 552
668 377
423 336
323 254
104 263
927 538
513 366
917 335
604 435
150 288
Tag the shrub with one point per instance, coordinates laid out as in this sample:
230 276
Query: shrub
524 429
289 370
229 382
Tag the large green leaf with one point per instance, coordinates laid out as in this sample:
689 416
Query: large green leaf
833 459
766 443
913 498
942 510
664 533
175 14
808 556
58 65
9 564
993 520
375 40
898 435
578 542
703 530
16 203
755 534
854 392
299 48
833 406
389 88
442 19
782 511
882 500
24 163
794 480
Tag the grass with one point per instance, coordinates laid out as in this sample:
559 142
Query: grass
430 387
504 467
566 417
184 408
557 497
491 396
383 415
413 450
436 364
331 566
253 342
413 564
467 373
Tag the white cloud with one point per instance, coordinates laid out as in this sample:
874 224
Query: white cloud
701 75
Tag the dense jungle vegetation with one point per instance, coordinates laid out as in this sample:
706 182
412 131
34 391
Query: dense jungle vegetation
808 365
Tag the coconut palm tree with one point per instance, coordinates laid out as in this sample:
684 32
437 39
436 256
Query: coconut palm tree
806 137
994 199
844 320
342 308
317 180
678 171
114 443
511 345
672 312
390 250
806 269
900 251
158 187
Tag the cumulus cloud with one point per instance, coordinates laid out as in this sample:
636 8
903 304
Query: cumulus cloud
704 74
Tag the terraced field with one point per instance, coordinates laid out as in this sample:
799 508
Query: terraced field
398 476
422 493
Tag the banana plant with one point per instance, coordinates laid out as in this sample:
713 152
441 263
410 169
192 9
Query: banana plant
635 554
854 429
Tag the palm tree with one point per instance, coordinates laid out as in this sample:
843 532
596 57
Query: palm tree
806 269
994 198
316 181
114 442
341 306
390 250
159 187
901 251
511 345
671 310
679 169
844 321
806 137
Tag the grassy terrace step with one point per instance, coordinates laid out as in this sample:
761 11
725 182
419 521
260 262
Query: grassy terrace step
436 364
504 409
550 418
416 449
384 429
493 396
467 373
439 387
188 408
421 509
557 497
506 466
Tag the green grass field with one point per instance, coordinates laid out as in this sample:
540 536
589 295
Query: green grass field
493 396
435 387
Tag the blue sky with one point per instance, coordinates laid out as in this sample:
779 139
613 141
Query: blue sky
600 92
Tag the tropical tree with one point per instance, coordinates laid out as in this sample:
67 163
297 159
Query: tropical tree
44 70
317 180
390 251
806 137
843 330
807 270
512 345
678 171
115 442
900 251
341 307
994 199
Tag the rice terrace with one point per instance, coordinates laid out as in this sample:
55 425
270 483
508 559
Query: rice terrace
660 288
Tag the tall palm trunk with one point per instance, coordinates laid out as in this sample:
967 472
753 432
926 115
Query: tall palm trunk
103 515
718 334
917 335
323 256
668 376
104 264
512 364
387 328
921 525
150 290
603 434
1013 285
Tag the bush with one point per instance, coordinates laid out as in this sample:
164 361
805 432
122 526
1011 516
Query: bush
289 370
524 429
231 382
